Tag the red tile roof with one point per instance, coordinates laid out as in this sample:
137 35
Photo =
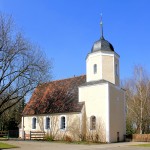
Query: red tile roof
59 96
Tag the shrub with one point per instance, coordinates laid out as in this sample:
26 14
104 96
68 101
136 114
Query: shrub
96 138
49 138
82 137
68 138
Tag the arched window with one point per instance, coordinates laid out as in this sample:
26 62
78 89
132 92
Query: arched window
47 123
33 123
117 70
92 122
63 123
95 68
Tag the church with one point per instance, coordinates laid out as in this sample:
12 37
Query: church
88 107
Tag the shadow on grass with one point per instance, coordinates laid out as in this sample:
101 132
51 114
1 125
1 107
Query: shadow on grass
6 146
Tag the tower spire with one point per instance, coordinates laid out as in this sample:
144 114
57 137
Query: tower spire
101 27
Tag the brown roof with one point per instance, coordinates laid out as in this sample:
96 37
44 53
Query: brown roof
59 96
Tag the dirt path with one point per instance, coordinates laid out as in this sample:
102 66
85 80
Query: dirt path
38 145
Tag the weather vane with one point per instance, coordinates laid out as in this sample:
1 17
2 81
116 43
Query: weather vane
101 26
101 19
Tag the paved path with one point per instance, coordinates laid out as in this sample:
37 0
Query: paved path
38 145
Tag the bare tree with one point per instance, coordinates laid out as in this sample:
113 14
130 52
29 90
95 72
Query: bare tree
22 65
138 100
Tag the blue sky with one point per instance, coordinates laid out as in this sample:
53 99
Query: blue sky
67 29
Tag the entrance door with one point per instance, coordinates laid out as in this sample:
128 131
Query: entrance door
118 137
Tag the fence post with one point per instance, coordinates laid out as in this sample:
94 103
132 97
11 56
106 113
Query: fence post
30 135
24 136
8 135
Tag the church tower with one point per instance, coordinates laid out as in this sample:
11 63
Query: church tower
103 97
103 62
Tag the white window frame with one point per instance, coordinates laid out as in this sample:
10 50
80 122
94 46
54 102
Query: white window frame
46 123
91 123
63 129
116 69
95 68
34 124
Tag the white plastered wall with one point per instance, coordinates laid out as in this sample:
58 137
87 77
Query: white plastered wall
93 58
96 103
117 113
105 62
73 125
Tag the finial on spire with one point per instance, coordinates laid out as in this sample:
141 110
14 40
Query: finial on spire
101 26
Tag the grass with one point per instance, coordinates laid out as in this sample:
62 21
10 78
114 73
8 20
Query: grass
6 146
142 145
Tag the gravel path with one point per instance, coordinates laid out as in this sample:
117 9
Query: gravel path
38 145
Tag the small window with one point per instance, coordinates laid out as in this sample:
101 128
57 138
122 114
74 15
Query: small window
93 123
63 123
95 68
33 123
117 70
47 123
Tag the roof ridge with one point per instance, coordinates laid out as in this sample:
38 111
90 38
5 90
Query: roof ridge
60 80
66 78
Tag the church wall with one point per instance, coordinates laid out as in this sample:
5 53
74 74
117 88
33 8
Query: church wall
94 58
117 76
117 113
108 68
73 125
106 63
96 100
94 97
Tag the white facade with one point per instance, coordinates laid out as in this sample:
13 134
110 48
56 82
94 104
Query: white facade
107 67
106 102
102 94
72 126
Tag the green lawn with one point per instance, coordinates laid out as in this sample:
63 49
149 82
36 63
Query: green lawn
6 146
143 145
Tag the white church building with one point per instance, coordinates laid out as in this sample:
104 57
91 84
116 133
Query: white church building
88 107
